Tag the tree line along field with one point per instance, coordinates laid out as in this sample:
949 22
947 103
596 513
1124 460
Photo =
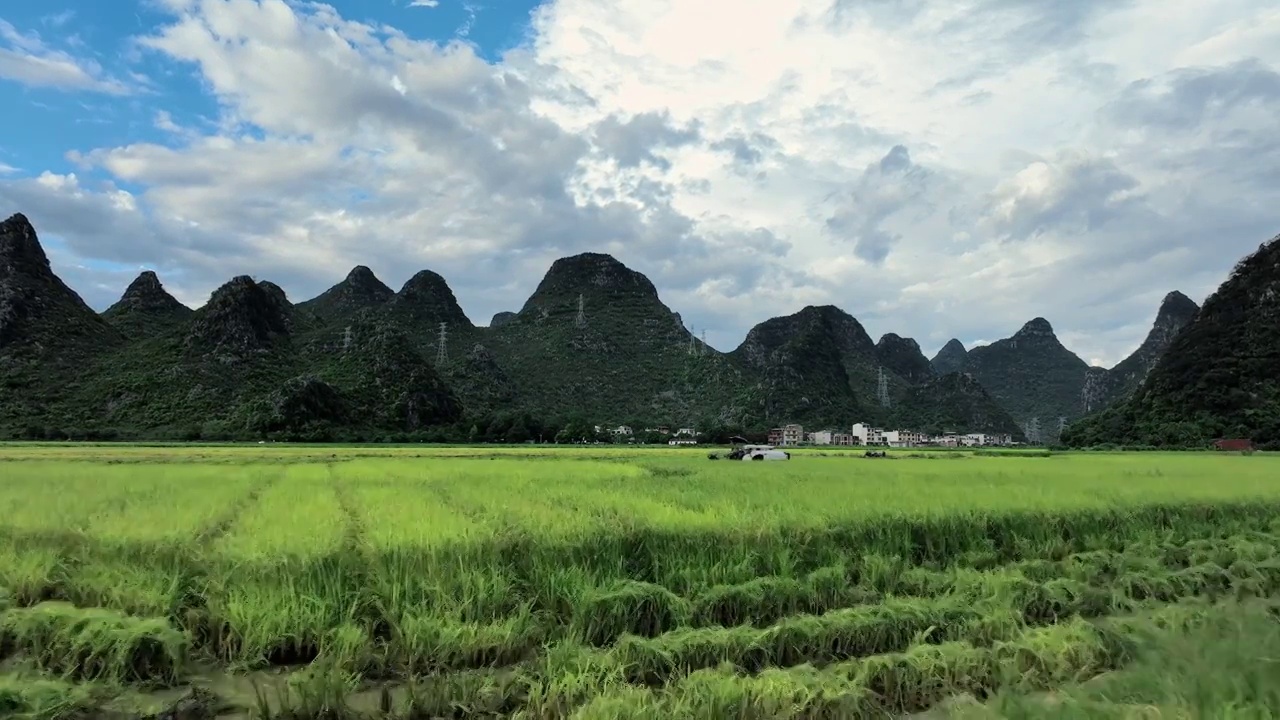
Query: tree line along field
310 582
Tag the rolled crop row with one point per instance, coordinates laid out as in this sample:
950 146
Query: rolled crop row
95 644
28 697
628 607
425 644
766 600
835 636
876 686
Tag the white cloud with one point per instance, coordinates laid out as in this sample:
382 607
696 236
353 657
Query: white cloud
424 3
27 59
937 170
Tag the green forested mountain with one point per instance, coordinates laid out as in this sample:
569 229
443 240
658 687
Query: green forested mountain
817 365
902 356
1218 377
1032 375
955 402
594 339
951 358
593 343
1176 311
146 308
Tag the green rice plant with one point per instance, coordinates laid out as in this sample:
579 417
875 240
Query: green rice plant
95 644
29 572
567 676
148 585
343 556
801 692
278 582
469 693
431 644
922 676
33 698
282 614
764 601
833 637
349 646
318 692
628 607
877 686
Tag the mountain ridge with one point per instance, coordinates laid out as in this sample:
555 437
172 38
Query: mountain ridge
1216 378
594 338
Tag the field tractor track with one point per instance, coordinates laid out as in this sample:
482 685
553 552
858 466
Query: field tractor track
353 523
210 534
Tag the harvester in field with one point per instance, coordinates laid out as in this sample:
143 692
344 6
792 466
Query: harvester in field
740 449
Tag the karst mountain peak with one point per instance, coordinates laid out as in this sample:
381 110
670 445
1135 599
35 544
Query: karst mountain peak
594 336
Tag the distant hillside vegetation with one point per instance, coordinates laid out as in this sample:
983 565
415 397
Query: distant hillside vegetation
593 345
1218 378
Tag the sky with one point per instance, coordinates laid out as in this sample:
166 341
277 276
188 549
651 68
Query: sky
938 170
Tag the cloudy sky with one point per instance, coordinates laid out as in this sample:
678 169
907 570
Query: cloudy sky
937 169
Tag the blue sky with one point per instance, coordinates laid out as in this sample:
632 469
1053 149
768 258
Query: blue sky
56 120
936 170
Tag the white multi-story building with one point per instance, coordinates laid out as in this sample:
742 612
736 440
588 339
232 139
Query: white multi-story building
905 438
792 434
867 435
821 437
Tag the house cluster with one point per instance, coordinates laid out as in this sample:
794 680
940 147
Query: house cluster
863 434
625 433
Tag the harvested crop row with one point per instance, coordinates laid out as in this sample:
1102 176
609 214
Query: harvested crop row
26 697
423 645
877 686
837 636
1091 583
979 608
574 681
412 642
95 644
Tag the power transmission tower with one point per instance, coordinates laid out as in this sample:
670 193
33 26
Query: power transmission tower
702 350
346 338
442 354
581 320
882 388
693 342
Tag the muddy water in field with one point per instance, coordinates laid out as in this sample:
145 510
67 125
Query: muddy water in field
207 692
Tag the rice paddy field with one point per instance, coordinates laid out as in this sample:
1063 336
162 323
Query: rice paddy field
317 582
